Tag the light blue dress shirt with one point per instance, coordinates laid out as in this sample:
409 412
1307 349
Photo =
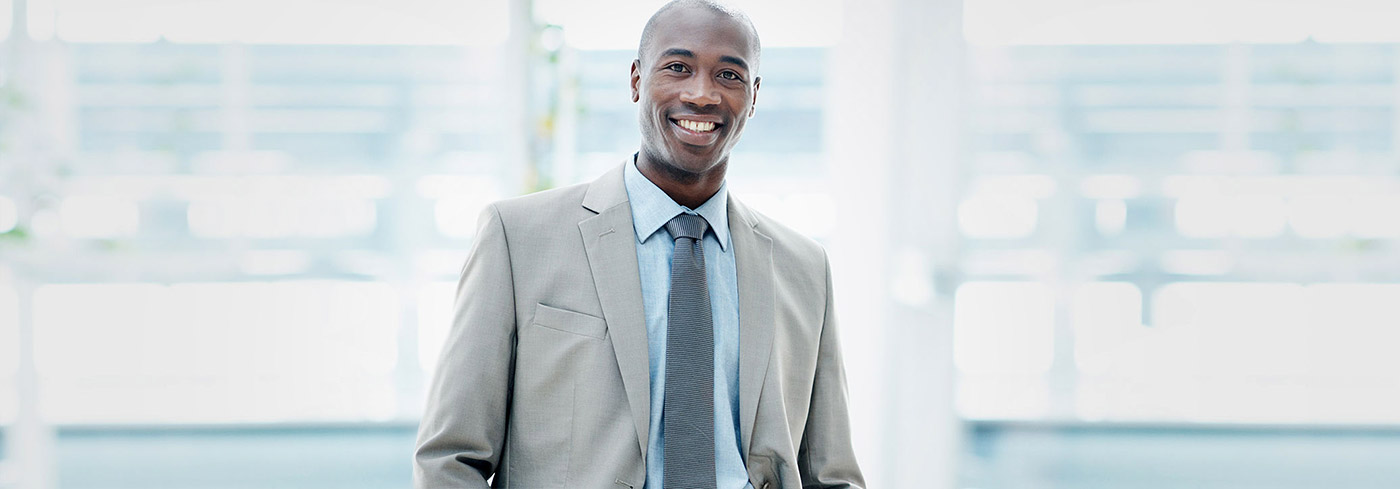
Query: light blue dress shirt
651 210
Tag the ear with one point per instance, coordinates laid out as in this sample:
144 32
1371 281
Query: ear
753 105
636 79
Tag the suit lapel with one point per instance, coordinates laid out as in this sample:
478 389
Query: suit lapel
753 260
610 243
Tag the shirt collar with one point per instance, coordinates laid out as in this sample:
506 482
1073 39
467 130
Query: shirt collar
652 208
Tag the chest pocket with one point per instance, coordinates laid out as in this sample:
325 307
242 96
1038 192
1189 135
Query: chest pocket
570 321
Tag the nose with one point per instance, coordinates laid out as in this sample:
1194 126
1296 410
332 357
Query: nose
700 91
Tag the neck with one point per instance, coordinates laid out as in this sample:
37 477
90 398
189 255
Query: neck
687 189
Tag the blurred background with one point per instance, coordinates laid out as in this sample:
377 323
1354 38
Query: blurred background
1077 243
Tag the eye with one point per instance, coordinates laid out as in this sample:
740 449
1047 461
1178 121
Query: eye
729 75
676 67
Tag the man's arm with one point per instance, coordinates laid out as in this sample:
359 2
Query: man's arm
464 424
826 458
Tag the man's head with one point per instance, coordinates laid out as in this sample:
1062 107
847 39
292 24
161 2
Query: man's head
696 81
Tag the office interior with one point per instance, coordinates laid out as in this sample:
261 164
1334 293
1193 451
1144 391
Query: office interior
1077 244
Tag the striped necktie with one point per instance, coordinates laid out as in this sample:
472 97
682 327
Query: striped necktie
688 415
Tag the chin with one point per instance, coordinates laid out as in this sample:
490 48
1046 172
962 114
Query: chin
695 164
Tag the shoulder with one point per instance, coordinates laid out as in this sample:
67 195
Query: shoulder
546 207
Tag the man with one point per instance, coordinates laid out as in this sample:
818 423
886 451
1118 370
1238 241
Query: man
646 329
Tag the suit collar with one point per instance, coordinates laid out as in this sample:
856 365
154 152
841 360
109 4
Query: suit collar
606 192
741 214
652 208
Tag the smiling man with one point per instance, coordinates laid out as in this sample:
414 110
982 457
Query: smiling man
646 329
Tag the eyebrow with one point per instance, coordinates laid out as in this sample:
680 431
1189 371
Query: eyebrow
678 52
686 53
735 61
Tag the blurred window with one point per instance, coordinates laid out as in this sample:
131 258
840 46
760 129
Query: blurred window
216 352
1208 214
249 196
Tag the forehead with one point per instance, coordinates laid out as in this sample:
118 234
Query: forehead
703 32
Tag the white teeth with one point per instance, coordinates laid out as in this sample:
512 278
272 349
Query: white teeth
696 126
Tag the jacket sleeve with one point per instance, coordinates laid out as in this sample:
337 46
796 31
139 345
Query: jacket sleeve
462 433
826 458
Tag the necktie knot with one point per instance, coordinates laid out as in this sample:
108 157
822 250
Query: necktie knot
687 226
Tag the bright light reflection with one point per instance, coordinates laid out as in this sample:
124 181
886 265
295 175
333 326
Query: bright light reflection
805 212
274 262
995 216
458 217
1196 262
1039 22
588 25
441 186
9 214
1107 326
1232 352
1110 216
9 331
41 19
1201 217
1217 216
6 15
415 22
281 216
1029 185
1129 397
460 201
1003 397
99 217
1319 216
1111 187
195 187
1352 330
1243 352
1003 328
1377 216
810 213
1238 329
435 302
215 352
1259 216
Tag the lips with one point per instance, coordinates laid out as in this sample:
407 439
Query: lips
696 130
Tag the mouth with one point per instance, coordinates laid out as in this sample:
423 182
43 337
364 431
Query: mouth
696 132
695 126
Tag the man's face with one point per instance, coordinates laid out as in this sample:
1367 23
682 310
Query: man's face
696 88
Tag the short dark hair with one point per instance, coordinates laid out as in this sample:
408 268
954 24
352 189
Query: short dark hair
649 32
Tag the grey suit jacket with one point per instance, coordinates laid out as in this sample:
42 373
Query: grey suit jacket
543 380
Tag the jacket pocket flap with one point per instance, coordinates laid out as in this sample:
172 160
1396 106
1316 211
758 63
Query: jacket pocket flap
570 321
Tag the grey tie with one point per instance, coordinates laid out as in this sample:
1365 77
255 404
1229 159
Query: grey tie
688 414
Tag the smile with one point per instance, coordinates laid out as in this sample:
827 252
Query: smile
696 126
696 134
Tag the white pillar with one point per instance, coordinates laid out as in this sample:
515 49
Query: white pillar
895 82
29 443
43 130
516 87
